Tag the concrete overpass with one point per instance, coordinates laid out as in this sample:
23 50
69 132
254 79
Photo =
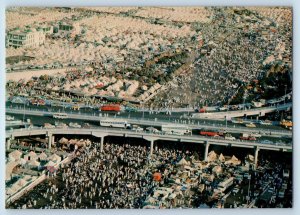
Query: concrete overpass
103 132
240 113
158 122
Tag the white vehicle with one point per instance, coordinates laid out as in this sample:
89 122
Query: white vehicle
114 123
255 135
229 137
10 118
152 130
266 122
61 125
74 125
225 184
48 125
60 115
137 128
175 129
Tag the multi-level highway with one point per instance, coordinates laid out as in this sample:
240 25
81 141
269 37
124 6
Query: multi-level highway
158 122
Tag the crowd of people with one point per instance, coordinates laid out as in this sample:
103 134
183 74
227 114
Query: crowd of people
233 56
123 176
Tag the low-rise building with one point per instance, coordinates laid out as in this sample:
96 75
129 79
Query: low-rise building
25 38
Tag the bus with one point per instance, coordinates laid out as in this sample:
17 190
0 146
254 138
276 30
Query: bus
60 115
116 123
224 185
175 129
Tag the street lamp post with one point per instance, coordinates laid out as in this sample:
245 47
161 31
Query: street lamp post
248 197
24 113
285 93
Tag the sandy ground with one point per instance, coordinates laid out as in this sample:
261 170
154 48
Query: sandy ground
26 74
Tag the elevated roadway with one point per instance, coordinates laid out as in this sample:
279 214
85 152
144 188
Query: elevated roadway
159 122
101 132
240 113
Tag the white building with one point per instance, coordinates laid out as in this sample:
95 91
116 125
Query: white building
25 38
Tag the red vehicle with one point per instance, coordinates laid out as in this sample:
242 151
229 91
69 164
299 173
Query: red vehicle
115 108
202 110
209 133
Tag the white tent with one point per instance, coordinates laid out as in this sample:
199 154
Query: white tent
15 155
22 182
9 169
30 156
50 163
221 158
182 162
212 156
63 140
33 163
42 156
55 158
217 169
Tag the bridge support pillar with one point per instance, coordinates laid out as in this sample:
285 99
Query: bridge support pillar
101 143
151 147
206 150
8 142
151 144
50 140
256 157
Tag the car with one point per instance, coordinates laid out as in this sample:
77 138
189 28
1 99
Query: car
152 130
137 128
86 125
48 125
74 125
256 135
266 142
229 138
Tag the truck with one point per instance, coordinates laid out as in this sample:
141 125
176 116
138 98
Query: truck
286 124
111 107
209 133
175 129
